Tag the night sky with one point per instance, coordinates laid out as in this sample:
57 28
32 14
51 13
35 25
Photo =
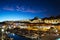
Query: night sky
28 9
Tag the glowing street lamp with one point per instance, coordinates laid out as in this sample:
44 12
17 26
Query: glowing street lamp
2 33
2 30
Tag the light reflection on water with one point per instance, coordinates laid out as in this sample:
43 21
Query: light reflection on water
16 37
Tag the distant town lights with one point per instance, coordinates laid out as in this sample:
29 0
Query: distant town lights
3 26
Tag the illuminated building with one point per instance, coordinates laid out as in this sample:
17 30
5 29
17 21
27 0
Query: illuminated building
36 23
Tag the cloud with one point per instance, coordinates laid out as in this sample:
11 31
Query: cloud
20 8
23 9
8 8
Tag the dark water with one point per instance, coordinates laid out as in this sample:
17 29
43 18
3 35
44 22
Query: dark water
16 37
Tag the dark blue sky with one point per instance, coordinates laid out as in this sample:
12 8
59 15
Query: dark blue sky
27 9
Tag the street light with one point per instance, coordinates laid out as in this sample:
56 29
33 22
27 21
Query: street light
2 33
2 30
